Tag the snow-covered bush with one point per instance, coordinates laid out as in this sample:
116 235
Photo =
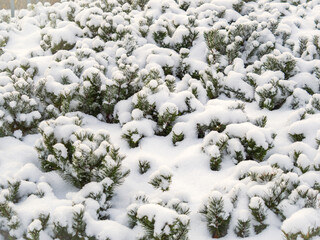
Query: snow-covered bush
299 98
256 141
144 166
97 194
168 113
161 179
132 210
302 224
212 83
61 38
60 94
142 102
22 69
259 213
235 85
70 223
20 110
19 114
264 190
74 83
185 35
274 94
242 228
162 223
315 101
135 130
284 63
62 224
80 154
179 207
239 39
284 162
92 91
13 192
263 174
217 117
124 83
214 145
10 221
4 38
217 214
177 133
232 73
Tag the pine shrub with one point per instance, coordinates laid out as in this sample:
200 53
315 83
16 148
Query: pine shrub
144 166
62 99
308 230
214 145
274 94
284 63
177 137
259 213
167 115
175 226
9 218
161 179
132 137
217 214
132 210
19 114
48 44
79 154
74 228
242 228
91 91
215 41
212 82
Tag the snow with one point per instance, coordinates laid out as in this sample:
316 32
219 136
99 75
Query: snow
282 161
193 183
161 215
144 127
35 225
261 136
304 220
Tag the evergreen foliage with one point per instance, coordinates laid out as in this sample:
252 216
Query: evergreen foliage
177 69
242 228
77 228
19 113
48 44
177 137
214 145
217 214
59 100
133 137
273 95
167 115
161 179
284 63
81 155
92 92
9 220
142 103
132 210
259 214
297 231
175 226
144 166
34 230
315 101
212 82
